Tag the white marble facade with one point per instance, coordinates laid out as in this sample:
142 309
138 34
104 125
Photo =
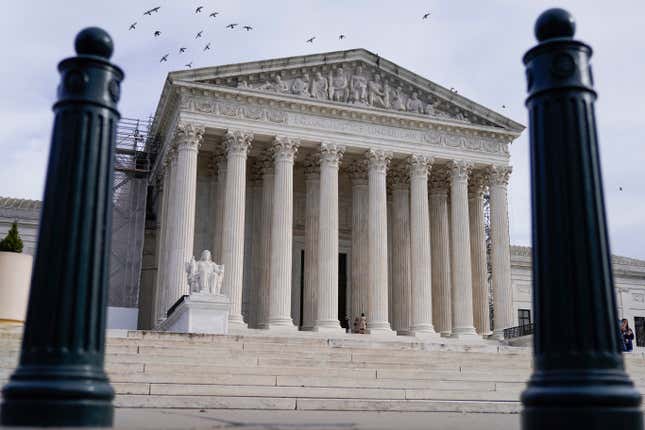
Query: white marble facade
329 186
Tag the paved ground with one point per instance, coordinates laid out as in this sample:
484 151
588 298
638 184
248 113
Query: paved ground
166 419
183 419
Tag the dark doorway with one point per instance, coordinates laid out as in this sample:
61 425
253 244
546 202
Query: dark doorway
639 323
342 290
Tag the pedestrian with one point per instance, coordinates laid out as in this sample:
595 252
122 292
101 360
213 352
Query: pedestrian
362 327
627 335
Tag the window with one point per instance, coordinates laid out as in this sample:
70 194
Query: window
524 316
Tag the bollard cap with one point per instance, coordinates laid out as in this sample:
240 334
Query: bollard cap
94 41
555 23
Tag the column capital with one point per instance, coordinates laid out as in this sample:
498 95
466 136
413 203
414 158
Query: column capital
477 183
237 142
285 148
378 159
419 165
331 153
460 170
312 167
439 180
189 135
358 172
499 175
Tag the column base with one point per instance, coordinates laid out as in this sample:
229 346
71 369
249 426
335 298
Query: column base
332 327
380 328
307 328
236 322
465 333
497 334
445 333
281 325
424 332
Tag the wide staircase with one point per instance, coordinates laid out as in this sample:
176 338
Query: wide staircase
308 372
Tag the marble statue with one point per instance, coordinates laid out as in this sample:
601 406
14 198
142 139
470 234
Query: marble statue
396 102
300 86
339 90
414 105
319 87
358 87
243 84
376 95
278 85
204 276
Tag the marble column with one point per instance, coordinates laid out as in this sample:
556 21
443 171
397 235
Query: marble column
264 244
360 261
188 139
237 144
462 296
256 182
481 315
218 212
378 161
312 216
159 313
284 151
440 251
421 321
327 303
400 256
171 225
501 252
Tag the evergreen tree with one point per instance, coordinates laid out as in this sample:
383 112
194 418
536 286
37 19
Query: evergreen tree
12 242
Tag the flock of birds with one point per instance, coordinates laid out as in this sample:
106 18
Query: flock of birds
231 26
183 49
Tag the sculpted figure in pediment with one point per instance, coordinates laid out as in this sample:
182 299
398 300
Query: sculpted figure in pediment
300 86
414 105
358 86
243 84
339 86
278 85
376 94
319 87
397 99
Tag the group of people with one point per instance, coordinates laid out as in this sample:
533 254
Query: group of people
626 335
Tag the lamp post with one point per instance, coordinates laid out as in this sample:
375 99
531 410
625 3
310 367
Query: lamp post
579 378
60 380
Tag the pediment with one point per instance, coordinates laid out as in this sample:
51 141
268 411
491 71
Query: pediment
357 78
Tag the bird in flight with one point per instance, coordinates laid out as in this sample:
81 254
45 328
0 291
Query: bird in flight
199 34
341 37
133 26
247 28
207 47
189 65
157 33
214 14
154 9
311 40
199 9
620 188
426 15
232 26
503 106
164 58
182 50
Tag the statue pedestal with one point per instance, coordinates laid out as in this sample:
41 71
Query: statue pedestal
199 313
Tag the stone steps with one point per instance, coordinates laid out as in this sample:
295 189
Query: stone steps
310 372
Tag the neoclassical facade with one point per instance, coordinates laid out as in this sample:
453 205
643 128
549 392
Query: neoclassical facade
328 186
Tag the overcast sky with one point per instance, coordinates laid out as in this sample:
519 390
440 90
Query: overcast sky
475 46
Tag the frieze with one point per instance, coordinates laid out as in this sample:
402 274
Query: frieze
432 137
354 83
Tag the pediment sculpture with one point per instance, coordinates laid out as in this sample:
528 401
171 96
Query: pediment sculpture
204 275
356 84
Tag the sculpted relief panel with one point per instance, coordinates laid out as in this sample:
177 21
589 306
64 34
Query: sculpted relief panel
354 83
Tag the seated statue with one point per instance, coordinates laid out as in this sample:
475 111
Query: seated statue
204 276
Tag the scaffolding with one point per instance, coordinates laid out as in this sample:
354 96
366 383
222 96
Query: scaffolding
132 164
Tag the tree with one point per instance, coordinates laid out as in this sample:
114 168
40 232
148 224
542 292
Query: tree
12 242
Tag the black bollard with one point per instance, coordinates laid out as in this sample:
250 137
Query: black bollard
579 378
60 380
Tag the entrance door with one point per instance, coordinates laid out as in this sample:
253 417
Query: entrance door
342 290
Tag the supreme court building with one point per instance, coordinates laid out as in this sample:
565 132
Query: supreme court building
330 185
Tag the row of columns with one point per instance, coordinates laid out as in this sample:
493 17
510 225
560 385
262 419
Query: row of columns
439 260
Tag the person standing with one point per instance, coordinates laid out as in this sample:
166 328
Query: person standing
627 335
